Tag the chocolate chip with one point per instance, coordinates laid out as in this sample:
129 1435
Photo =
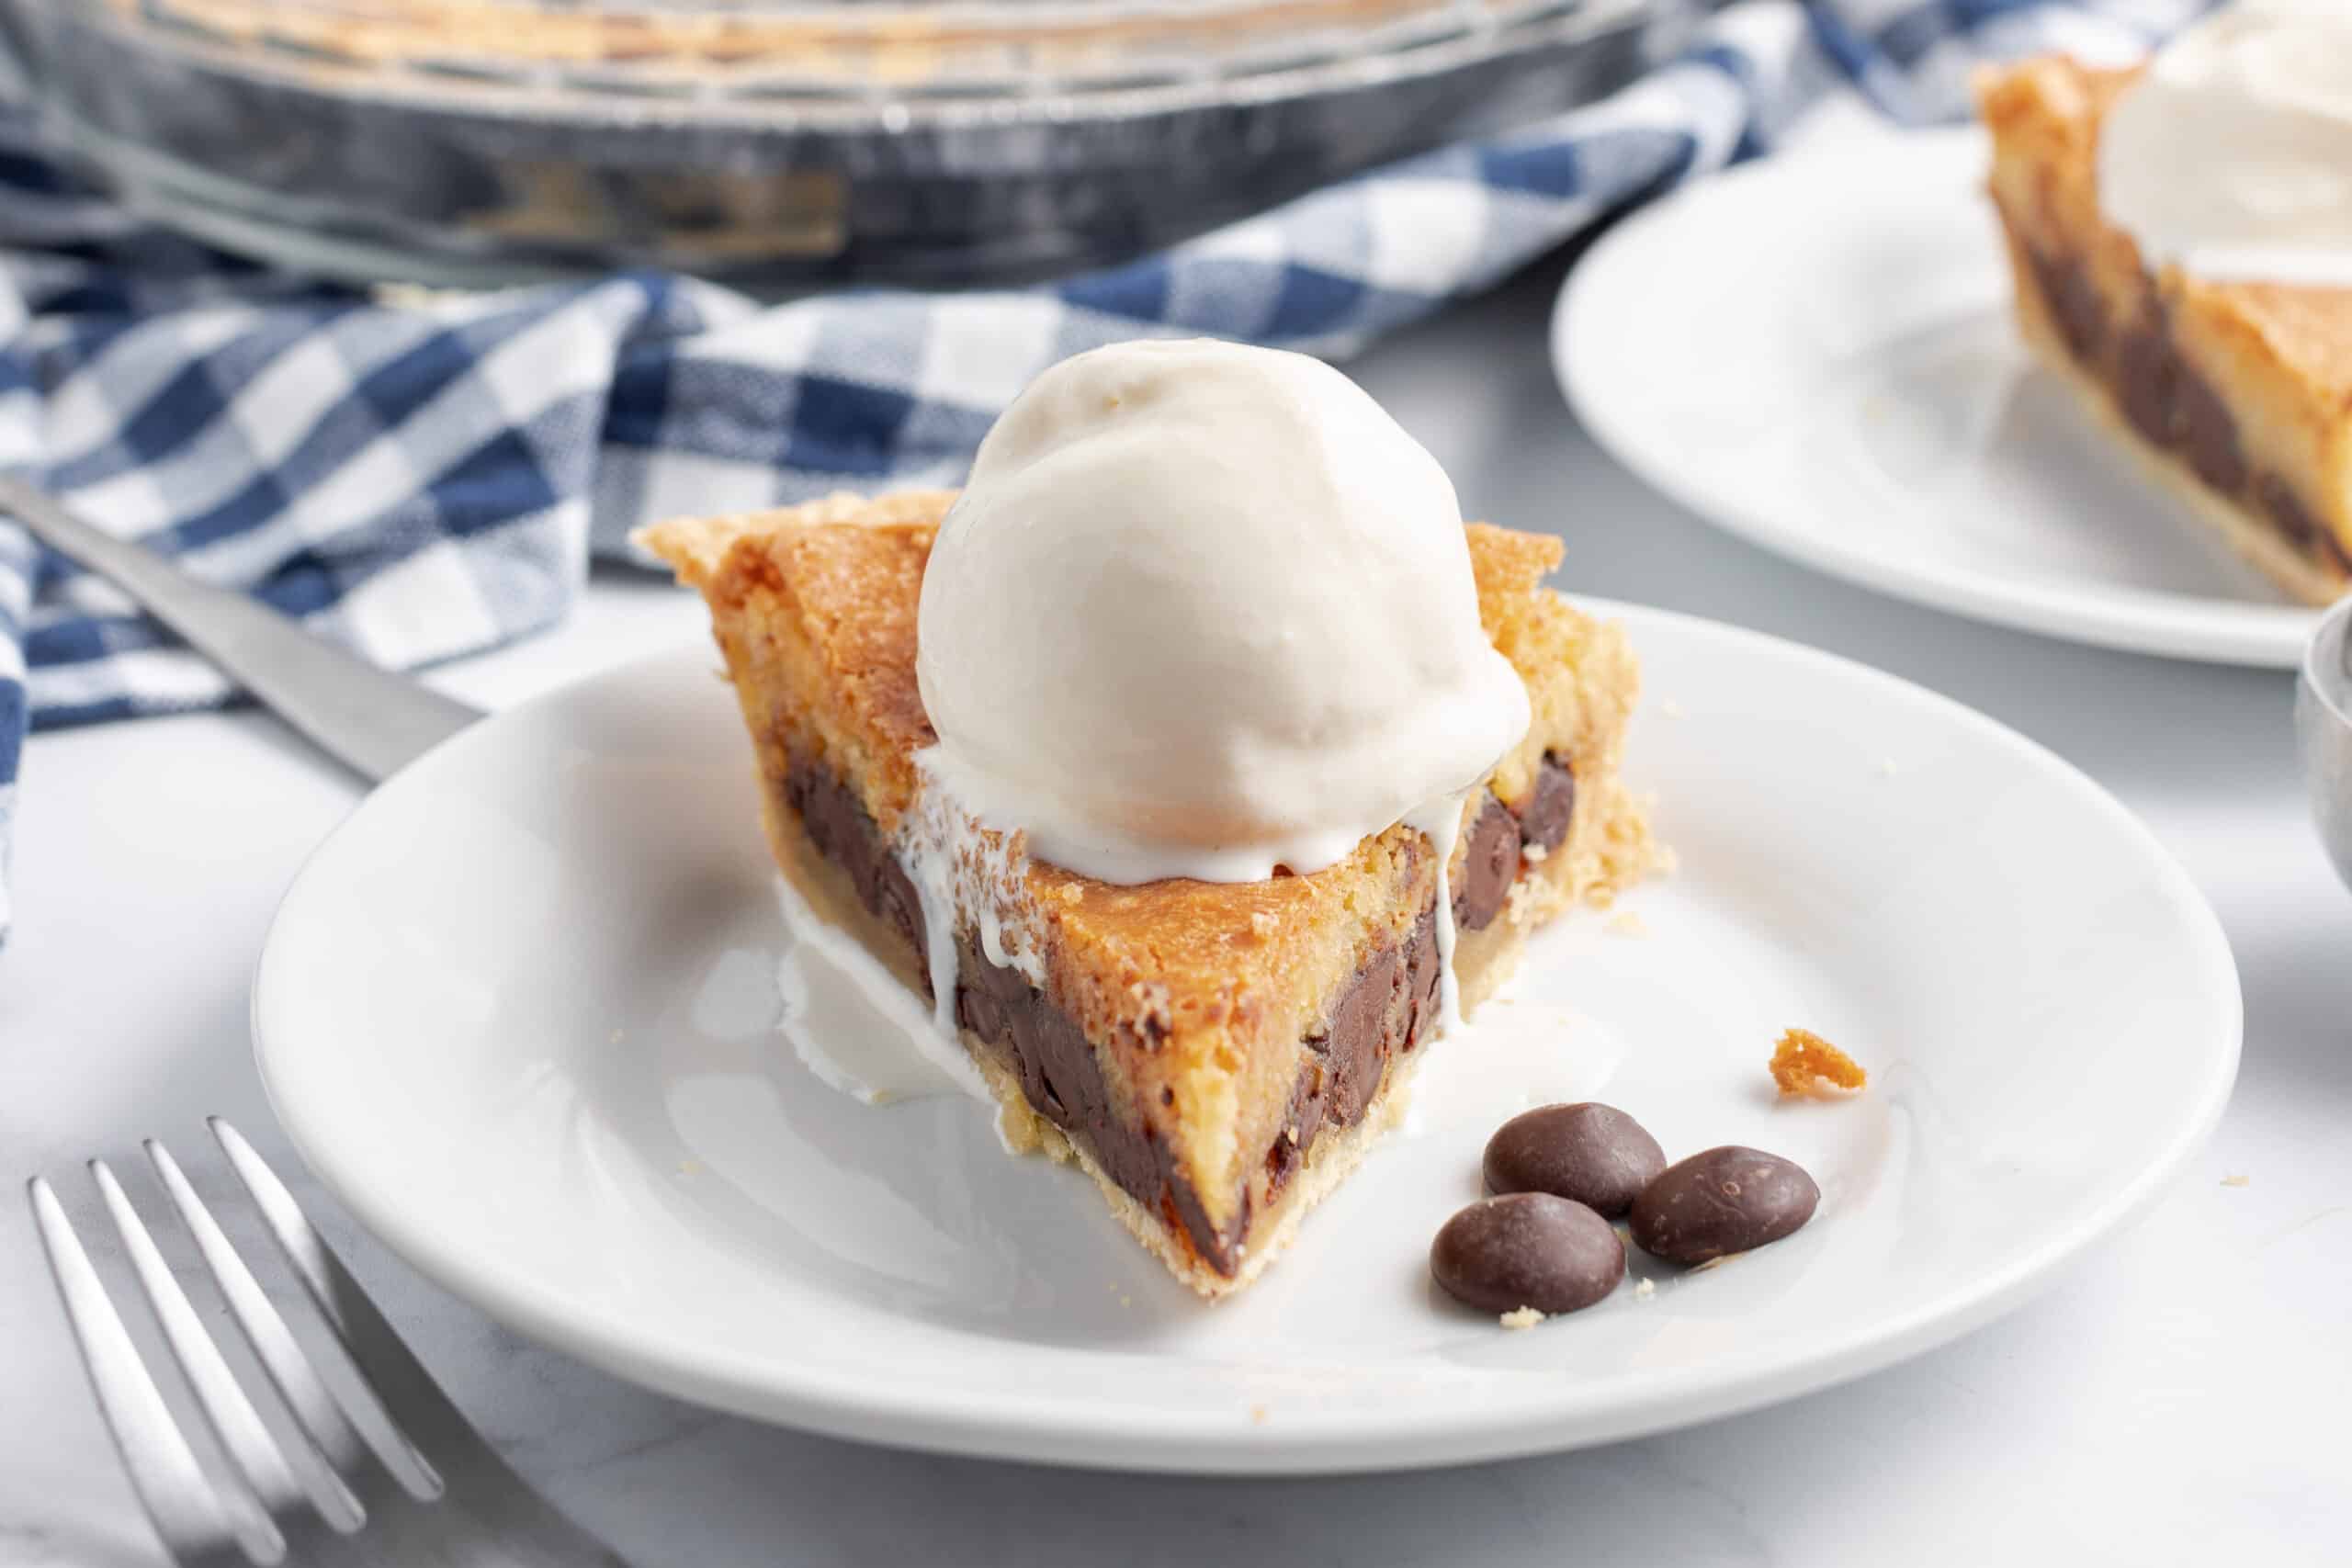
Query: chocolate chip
1550 805
2074 301
1724 1201
1595 1155
1527 1249
2286 510
2147 374
1490 865
2209 433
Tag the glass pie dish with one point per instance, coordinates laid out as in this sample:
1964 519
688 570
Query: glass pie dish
779 143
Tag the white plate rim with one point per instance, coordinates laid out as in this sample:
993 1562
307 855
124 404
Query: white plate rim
1197 1443
2131 619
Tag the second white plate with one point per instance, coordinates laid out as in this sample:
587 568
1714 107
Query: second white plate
1816 352
519 1012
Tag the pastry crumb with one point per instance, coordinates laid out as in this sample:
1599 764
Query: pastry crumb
1805 1064
618 1036
1671 708
1886 767
1645 1289
1153 1016
1520 1317
1258 1414
2237 1182
1628 922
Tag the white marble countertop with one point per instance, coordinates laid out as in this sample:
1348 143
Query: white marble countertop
2178 1397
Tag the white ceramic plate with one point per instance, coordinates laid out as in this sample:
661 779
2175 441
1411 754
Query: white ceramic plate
518 1013
1816 352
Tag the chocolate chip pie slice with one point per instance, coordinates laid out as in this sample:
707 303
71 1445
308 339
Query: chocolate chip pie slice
2236 396
1218 1057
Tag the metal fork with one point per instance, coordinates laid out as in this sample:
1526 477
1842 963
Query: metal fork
371 720
426 1492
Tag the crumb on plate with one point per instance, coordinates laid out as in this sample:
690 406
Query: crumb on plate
1629 922
1803 1062
1645 1289
2237 1182
1520 1317
1257 1414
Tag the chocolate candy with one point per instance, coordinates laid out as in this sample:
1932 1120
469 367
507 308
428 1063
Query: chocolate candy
1724 1201
1527 1249
1595 1155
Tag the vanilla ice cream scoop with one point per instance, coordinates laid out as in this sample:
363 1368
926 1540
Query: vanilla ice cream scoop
2231 155
1205 610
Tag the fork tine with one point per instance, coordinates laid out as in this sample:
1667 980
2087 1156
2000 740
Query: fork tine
417 1407
236 1425
183 1505
332 1442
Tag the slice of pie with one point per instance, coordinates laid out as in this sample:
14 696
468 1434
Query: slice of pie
1216 1055
2238 396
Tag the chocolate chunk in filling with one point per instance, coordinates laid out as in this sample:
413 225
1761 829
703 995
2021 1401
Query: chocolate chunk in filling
2209 433
1385 1011
839 829
1498 835
1490 865
2148 386
2173 407
1062 1079
1550 806
2074 301
2287 510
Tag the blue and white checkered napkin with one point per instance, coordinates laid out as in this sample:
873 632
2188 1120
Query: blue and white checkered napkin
429 481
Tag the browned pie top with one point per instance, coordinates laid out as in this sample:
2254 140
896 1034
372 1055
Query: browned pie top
845 577
855 590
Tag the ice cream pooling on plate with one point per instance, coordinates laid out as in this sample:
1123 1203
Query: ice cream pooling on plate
1205 610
